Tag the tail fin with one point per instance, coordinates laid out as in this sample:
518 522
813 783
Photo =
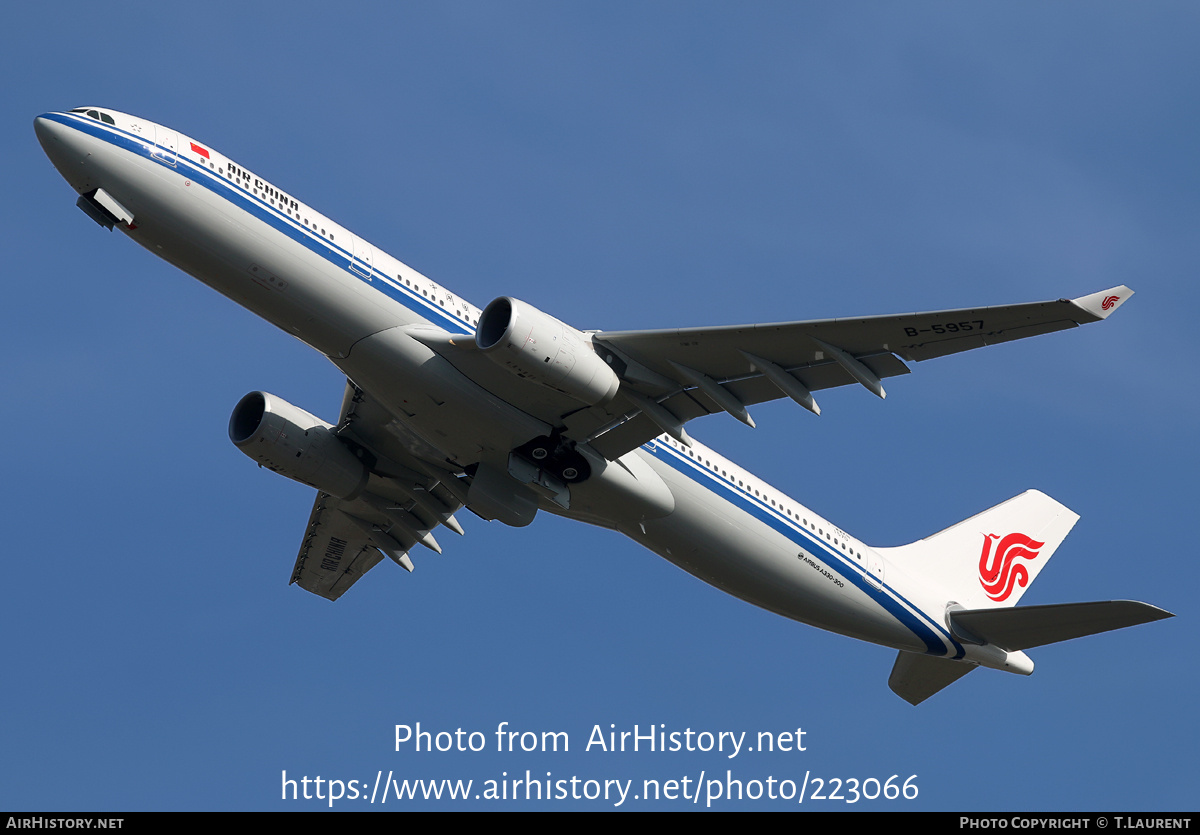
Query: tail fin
989 560
1014 540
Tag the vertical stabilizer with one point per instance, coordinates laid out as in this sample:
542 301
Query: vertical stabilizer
989 560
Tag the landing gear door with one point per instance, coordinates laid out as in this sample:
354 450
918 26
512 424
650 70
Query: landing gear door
166 143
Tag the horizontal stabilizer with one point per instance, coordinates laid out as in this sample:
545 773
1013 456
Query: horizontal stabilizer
916 677
1034 626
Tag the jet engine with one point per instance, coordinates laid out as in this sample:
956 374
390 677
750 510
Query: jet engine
536 346
293 443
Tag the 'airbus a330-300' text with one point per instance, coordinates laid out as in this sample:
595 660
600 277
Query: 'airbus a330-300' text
506 411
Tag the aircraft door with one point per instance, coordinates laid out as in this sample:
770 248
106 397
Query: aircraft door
362 257
874 569
166 143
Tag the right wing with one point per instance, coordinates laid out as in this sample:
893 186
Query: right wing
346 538
335 552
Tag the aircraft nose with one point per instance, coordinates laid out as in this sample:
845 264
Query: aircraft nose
65 146
46 129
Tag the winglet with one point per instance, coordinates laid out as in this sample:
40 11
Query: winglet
1102 304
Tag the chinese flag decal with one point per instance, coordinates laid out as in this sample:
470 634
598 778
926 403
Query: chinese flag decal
201 151
999 571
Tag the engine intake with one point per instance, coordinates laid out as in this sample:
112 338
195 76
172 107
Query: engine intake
536 346
288 440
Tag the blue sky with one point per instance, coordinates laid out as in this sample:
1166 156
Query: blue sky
619 165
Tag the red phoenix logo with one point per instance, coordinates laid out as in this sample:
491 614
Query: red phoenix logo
1109 301
999 571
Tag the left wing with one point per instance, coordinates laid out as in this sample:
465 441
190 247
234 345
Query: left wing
404 500
673 376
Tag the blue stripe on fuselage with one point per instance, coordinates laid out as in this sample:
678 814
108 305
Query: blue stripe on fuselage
929 632
256 206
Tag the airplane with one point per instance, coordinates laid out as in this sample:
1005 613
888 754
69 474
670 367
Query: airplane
508 411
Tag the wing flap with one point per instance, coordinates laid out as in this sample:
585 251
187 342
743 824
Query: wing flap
635 429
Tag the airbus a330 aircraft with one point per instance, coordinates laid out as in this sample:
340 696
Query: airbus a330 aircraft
507 411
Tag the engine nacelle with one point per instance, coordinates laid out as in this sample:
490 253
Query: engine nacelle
536 346
293 443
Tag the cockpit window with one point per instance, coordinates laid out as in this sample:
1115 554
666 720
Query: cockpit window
96 114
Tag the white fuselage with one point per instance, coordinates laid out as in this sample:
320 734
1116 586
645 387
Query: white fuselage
347 299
